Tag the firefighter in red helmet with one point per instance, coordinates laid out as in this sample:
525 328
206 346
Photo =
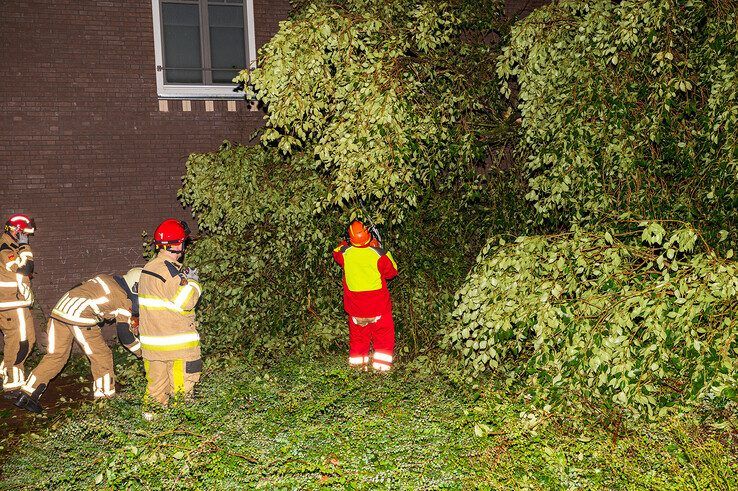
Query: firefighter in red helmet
16 298
366 299
167 295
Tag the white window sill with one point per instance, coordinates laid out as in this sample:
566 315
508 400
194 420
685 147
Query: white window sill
195 92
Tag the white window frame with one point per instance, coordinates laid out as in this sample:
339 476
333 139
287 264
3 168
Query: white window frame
193 91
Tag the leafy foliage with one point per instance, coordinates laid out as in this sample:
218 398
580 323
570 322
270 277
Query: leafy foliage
378 111
390 98
314 424
264 254
636 321
629 106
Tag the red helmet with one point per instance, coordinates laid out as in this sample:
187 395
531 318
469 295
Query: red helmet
20 224
171 232
358 234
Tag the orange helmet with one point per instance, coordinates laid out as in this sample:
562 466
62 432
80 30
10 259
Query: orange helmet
358 234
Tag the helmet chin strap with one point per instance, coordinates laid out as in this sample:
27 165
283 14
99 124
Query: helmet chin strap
168 248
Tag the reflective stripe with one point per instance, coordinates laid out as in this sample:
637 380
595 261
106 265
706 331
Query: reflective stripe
23 258
81 340
14 379
366 320
82 321
74 305
100 300
52 337
8 284
28 386
108 385
95 309
170 343
12 305
63 301
183 295
382 357
135 347
124 312
103 387
9 264
21 324
381 366
103 284
356 360
71 309
24 289
155 303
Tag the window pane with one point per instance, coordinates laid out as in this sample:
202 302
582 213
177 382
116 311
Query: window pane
227 43
182 43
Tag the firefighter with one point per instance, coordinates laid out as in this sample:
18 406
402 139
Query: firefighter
168 294
16 298
77 316
366 299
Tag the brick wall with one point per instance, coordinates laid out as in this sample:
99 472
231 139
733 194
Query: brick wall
521 8
84 147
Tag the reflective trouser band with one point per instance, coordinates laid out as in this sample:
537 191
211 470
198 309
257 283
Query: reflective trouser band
170 343
13 378
379 356
365 321
381 361
103 386
358 360
29 385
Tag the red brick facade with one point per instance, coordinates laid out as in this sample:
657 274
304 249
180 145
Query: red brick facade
84 147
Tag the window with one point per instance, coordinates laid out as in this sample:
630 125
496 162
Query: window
200 45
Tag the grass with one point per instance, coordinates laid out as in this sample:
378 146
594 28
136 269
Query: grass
305 424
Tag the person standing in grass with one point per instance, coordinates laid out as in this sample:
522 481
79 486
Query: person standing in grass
167 297
366 298
16 299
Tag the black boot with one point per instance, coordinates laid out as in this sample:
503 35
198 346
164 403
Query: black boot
11 394
26 402
30 403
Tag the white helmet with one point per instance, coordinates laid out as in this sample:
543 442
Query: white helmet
131 278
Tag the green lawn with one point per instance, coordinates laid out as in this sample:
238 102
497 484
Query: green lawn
306 424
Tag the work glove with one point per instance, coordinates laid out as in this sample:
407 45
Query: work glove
191 274
22 239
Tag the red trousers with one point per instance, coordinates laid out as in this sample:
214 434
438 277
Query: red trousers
380 333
